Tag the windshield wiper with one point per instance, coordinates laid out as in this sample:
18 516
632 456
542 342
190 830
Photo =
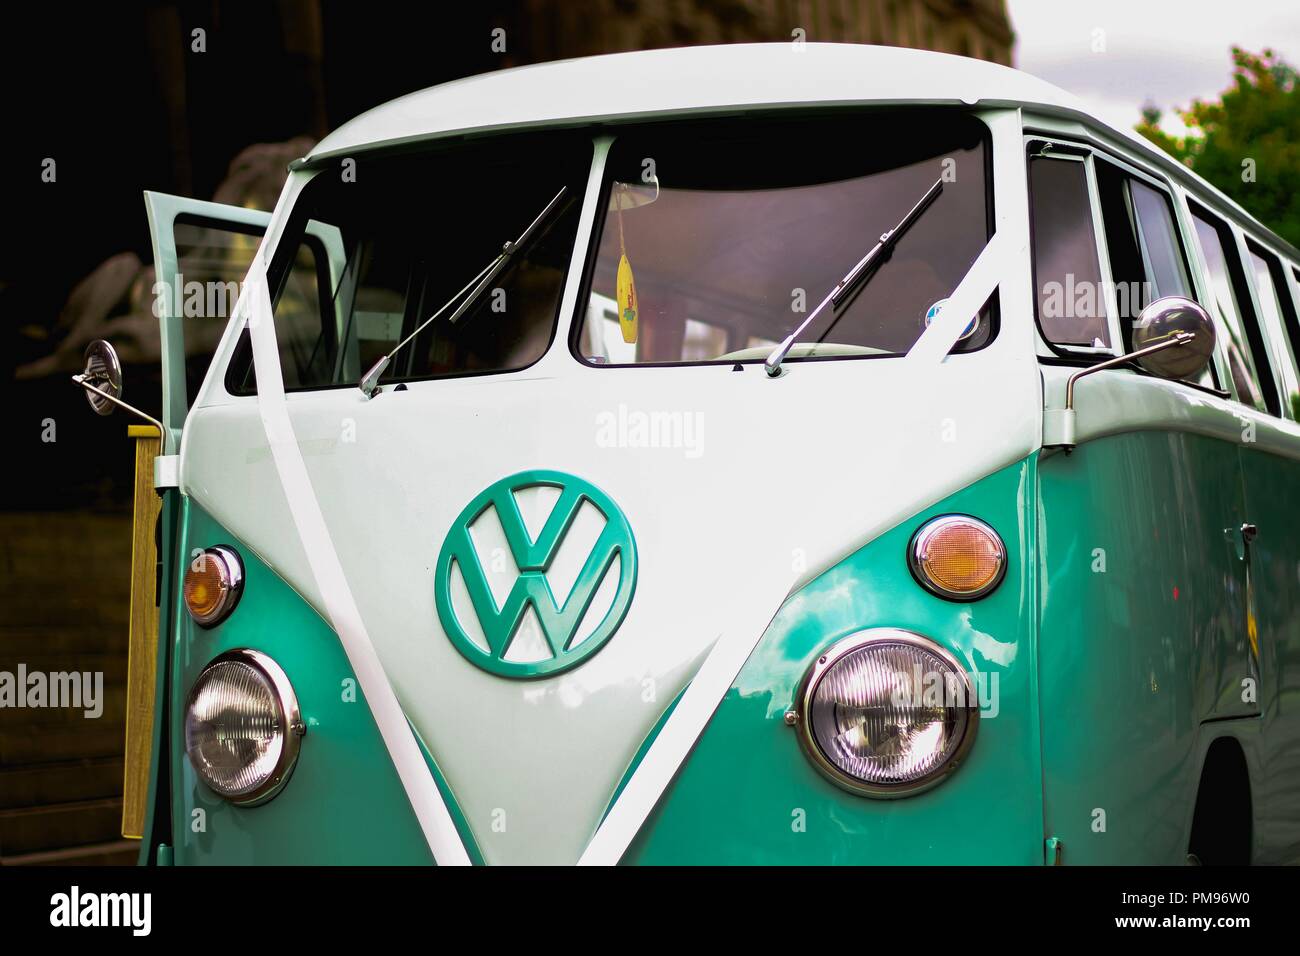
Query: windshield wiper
855 277
370 381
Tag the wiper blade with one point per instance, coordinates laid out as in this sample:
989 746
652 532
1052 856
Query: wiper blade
370 381
855 277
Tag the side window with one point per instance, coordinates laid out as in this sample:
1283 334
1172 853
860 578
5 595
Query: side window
1244 346
1294 331
1067 273
1279 312
1147 260
1146 257
1162 255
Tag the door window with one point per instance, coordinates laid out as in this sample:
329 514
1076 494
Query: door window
211 260
1067 272
1076 286
202 251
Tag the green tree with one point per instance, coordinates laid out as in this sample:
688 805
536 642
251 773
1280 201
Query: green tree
1247 142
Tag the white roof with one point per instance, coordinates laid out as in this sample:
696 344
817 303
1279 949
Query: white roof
726 78
692 79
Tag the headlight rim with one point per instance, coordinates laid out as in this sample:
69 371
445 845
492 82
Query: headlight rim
229 559
292 726
926 530
827 659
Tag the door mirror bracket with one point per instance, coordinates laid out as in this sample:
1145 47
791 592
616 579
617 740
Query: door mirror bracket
1174 339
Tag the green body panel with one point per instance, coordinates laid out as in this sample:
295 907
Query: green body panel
747 793
1273 505
1143 637
344 802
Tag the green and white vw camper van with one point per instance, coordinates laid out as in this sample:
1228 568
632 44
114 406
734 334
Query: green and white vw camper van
786 453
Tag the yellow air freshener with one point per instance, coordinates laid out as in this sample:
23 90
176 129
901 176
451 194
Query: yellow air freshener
625 285
626 293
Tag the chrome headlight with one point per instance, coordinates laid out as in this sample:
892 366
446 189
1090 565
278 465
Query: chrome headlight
243 727
886 713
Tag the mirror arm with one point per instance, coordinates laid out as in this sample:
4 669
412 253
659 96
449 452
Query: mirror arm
81 380
1178 338
1058 424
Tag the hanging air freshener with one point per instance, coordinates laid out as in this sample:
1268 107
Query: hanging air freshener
625 286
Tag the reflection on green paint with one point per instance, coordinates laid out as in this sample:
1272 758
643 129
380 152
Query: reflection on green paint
1143 636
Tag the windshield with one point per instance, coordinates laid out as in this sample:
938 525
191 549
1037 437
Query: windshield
394 238
718 241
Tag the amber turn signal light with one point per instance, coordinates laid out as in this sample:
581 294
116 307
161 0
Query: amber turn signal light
957 557
213 582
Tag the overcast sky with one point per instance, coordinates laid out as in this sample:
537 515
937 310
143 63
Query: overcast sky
1162 51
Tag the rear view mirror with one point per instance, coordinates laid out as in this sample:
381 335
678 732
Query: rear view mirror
1164 319
104 371
102 381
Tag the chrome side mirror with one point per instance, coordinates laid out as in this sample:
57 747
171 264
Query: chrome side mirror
104 371
102 381
1164 319
1173 338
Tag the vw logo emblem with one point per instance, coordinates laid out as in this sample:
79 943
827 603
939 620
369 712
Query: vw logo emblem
559 622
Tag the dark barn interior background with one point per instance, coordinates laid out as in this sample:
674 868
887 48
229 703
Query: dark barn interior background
119 98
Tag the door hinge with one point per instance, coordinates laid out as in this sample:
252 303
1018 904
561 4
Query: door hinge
167 471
